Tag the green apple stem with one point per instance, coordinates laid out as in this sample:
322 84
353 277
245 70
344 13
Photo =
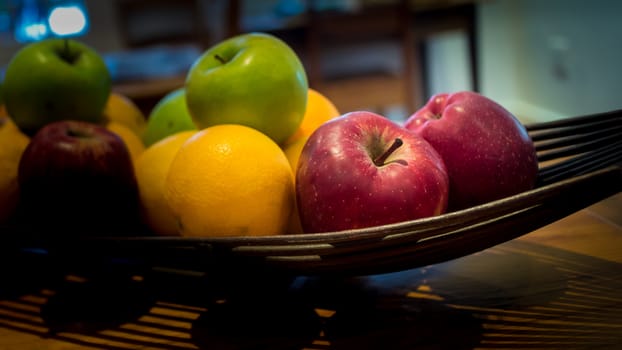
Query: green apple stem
397 143
220 59
66 54
66 47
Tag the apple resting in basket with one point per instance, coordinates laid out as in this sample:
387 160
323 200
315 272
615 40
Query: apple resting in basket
487 151
362 170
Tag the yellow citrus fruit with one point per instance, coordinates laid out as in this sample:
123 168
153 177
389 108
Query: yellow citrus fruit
230 180
292 152
151 170
319 110
12 144
120 108
132 141
294 226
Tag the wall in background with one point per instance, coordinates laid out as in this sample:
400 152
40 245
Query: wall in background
542 60
554 58
448 63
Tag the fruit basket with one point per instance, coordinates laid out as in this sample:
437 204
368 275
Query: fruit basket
580 164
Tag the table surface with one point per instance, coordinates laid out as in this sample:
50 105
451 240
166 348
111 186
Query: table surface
557 287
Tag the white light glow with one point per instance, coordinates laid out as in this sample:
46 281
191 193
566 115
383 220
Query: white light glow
67 20
35 31
29 25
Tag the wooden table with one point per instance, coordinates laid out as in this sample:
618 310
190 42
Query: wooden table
555 288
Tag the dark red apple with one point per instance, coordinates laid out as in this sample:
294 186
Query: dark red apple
362 170
77 178
487 151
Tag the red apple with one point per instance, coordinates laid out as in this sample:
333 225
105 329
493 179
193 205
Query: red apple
77 178
487 151
362 170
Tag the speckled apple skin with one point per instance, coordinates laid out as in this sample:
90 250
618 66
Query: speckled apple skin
487 151
339 187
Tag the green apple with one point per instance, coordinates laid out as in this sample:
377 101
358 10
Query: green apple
55 79
169 116
252 79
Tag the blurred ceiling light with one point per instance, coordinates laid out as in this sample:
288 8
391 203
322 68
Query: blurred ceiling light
67 20
38 19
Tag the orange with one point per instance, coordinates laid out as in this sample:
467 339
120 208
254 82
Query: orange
151 170
132 141
292 152
3 112
230 180
12 144
120 108
319 110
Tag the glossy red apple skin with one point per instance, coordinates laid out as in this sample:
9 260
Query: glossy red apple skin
339 187
77 178
487 151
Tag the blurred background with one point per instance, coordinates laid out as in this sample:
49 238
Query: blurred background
541 59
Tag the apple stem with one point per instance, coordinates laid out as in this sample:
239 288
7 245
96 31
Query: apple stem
66 47
383 157
66 53
220 59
